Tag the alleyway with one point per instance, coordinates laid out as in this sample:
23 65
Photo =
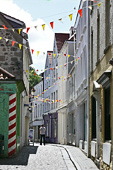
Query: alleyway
48 157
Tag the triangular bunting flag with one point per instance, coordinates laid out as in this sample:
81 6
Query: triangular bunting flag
54 55
20 45
70 16
28 28
76 60
90 7
38 53
68 55
26 71
32 51
43 26
35 27
60 20
99 5
64 54
19 31
5 27
13 30
13 42
6 40
0 38
51 23
80 12
71 62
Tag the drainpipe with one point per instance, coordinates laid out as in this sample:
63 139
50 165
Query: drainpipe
88 68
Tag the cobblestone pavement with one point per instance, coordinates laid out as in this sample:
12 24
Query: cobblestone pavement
48 157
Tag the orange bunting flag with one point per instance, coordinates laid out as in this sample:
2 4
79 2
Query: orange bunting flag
19 31
5 27
80 12
38 53
54 55
70 16
13 42
34 74
32 51
43 26
51 23
51 68
27 29
20 45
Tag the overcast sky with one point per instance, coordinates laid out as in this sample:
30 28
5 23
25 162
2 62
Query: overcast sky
38 12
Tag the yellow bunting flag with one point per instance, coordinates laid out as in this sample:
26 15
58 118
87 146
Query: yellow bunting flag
0 38
26 71
99 5
43 26
62 76
70 16
76 60
39 94
38 53
54 55
19 31
60 66
20 45
68 55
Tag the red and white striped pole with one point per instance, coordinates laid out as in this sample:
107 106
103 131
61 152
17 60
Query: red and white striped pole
12 125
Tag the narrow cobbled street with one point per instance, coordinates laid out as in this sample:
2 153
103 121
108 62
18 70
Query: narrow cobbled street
48 157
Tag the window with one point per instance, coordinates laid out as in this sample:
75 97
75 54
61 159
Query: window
93 118
91 50
107 113
107 22
98 36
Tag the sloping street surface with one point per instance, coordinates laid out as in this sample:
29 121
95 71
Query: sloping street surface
48 157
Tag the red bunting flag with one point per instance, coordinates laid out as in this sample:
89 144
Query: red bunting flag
37 70
42 93
49 53
27 29
51 23
59 78
78 57
51 68
80 12
64 54
34 74
65 64
13 42
32 51
5 27
55 83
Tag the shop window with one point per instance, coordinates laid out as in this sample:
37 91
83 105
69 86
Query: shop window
107 114
93 118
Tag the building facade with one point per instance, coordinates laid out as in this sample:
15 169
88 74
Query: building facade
14 61
37 108
101 87
82 25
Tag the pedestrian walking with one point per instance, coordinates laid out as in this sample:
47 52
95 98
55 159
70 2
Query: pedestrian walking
42 134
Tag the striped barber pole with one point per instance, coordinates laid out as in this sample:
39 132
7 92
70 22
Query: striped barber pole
12 125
